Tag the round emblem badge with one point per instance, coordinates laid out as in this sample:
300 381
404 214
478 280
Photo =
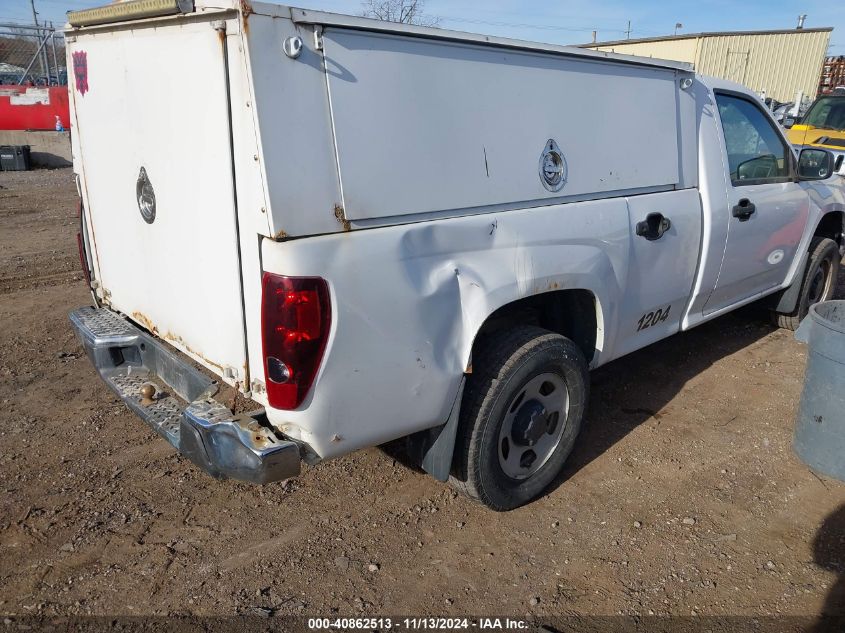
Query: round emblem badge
775 257
146 197
552 167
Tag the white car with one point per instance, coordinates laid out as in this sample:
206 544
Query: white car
376 231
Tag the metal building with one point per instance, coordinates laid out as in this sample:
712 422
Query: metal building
779 63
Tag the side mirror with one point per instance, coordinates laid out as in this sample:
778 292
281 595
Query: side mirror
788 122
815 164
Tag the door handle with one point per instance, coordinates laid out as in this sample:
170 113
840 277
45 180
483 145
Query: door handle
744 209
654 226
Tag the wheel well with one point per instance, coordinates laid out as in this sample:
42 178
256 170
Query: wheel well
831 226
571 313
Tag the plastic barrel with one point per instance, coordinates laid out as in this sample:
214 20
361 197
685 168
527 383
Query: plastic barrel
820 428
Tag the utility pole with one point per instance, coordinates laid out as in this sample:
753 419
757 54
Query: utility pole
34 12
42 59
55 59
628 32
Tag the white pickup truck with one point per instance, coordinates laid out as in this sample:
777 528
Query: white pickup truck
375 231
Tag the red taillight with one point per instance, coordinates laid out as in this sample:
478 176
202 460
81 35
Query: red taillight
80 241
295 321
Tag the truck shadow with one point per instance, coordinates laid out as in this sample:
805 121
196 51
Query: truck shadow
638 387
829 553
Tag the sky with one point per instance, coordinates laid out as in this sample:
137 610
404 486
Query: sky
561 21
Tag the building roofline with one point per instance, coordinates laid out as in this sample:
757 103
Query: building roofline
690 36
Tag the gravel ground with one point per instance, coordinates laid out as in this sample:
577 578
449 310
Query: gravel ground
682 497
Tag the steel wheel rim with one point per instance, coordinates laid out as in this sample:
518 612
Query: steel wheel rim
820 284
533 426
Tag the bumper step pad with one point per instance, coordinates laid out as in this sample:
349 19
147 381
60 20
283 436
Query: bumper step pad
164 414
104 325
183 412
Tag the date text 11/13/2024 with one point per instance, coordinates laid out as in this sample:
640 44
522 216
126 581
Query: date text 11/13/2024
415 624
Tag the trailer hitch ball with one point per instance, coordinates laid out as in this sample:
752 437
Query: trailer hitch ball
148 392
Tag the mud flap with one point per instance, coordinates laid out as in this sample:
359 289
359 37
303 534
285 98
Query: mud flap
433 448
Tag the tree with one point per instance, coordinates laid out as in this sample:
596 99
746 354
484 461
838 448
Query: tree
402 11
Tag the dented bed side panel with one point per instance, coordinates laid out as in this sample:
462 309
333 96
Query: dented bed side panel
408 301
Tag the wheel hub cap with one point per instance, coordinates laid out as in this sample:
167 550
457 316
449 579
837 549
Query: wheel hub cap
818 286
533 425
529 424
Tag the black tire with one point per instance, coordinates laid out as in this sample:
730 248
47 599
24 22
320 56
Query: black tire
818 282
503 364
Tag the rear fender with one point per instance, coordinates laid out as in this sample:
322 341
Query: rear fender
409 302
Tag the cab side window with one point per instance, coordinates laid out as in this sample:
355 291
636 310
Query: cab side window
757 154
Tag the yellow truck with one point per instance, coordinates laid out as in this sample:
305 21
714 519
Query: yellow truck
823 126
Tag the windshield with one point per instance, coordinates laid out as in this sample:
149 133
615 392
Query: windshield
827 112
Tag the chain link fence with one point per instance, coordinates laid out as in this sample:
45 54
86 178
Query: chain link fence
31 55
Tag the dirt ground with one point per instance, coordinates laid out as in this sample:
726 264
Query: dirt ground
683 495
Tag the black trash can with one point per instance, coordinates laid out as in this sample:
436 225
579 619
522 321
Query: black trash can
15 158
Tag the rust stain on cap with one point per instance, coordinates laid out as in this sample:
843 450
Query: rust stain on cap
340 214
246 11
145 321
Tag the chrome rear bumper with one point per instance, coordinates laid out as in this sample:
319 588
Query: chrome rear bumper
184 413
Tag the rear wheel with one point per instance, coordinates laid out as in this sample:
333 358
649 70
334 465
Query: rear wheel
522 410
817 284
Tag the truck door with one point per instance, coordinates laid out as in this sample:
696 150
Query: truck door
768 208
665 239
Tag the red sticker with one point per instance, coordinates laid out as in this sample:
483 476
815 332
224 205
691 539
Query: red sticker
80 71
